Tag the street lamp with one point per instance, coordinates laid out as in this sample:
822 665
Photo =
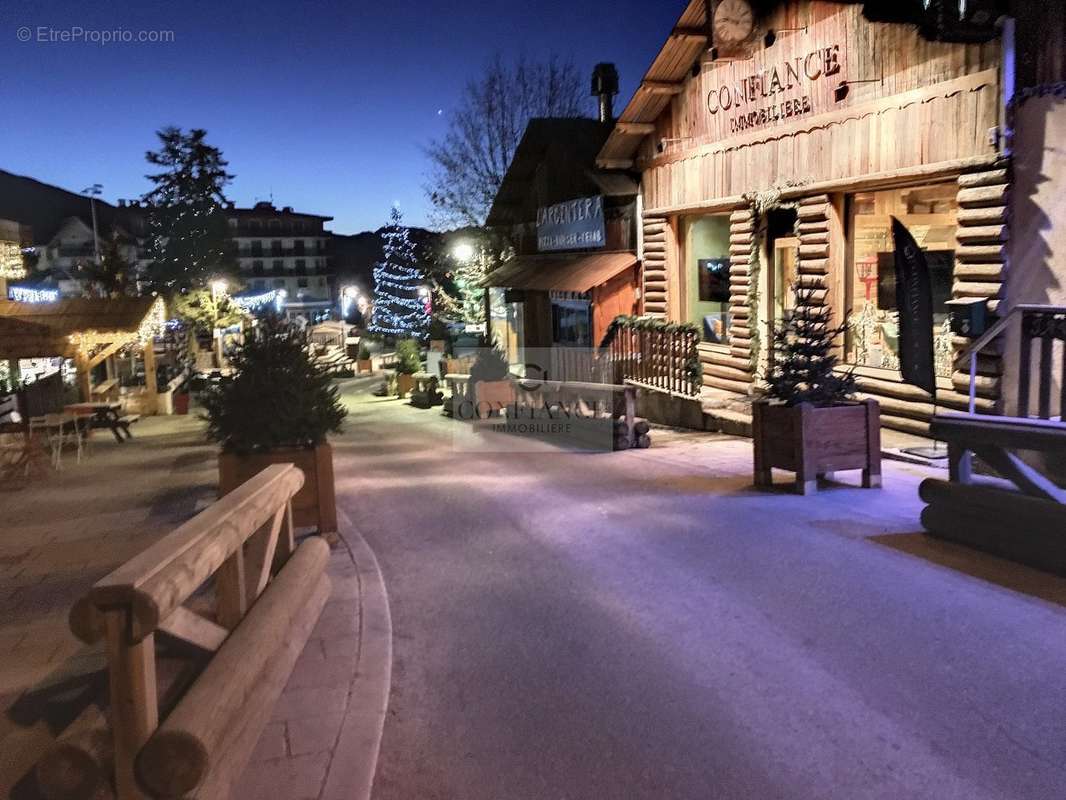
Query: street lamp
218 287
93 192
463 252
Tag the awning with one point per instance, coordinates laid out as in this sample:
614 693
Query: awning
566 272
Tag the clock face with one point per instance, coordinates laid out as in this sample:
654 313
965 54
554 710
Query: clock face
733 21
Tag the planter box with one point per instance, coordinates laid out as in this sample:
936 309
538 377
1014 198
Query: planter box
315 503
814 442
404 384
493 396
365 364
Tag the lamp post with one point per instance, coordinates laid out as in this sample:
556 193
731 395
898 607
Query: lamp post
218 288
93 192
349 295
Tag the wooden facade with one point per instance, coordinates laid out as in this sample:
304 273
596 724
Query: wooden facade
836 105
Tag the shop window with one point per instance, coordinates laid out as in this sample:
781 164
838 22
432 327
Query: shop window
705 275
571 323
929 213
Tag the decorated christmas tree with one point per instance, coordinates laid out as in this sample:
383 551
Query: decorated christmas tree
188 237
400 294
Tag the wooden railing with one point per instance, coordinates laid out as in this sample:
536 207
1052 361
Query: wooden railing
267 596
1043 323
664 360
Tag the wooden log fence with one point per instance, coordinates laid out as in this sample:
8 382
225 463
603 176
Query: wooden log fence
267 595
656 358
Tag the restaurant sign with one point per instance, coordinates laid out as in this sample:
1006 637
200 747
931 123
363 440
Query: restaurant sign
573 225
774 92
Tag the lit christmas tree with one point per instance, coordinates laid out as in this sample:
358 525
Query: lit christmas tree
188 239
400 303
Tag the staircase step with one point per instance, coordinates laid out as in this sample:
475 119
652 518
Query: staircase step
724 420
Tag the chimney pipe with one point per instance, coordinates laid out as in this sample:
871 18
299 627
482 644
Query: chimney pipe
605 87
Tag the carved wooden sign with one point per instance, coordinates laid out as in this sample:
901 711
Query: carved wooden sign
795 78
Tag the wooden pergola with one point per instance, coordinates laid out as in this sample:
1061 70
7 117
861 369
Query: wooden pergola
88 330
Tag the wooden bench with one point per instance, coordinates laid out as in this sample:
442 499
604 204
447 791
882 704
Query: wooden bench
267 597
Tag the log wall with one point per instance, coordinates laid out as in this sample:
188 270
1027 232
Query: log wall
919 103
655 276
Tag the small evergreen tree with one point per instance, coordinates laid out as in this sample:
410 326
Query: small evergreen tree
279 396
188 236
804 359
469 277
113 276
399 309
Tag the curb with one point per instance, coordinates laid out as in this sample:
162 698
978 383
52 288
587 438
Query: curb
351 775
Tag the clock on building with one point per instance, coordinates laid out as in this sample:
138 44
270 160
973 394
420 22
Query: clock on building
734 22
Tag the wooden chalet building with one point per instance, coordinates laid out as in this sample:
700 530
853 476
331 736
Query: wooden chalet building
775 141
573 228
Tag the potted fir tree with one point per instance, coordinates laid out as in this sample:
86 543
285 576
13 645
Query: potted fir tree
806 421
278 408
364 362
408 362
490 376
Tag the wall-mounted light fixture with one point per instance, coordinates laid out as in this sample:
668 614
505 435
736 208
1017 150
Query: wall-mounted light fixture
843 88
771 34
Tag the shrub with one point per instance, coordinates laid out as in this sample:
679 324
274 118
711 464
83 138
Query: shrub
408 357
490 365
278 396
364 352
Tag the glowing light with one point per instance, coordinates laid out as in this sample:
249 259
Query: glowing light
349 295
252 302
462 252
218 287
11 266
26 294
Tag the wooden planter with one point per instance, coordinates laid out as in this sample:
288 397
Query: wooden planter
404 384
815 442
315 503
365 364
491 396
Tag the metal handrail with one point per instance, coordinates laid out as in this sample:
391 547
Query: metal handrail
970 353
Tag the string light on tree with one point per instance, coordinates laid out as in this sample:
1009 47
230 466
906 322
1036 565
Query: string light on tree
400 308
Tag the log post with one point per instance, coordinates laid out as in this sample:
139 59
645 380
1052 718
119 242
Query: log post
231 594
150 381
134 705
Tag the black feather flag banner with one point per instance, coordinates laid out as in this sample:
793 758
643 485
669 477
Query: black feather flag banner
914 299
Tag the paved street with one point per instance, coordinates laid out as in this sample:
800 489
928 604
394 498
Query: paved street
645 625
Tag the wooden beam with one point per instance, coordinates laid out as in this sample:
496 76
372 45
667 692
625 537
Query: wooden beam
688 32
107 352
614 163
637 128
192 628
661 87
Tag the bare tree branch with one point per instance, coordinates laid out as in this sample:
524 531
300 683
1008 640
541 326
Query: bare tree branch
470 160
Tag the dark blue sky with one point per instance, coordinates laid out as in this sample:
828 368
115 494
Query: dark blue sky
324 104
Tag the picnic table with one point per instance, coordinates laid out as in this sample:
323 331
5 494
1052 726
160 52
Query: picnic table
105 415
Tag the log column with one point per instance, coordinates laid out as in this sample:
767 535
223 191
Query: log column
980 265
814 214
741 245
655 278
